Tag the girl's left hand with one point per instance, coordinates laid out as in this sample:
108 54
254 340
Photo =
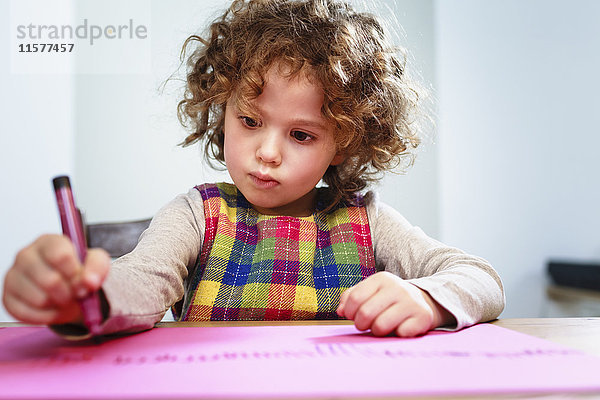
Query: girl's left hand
386 303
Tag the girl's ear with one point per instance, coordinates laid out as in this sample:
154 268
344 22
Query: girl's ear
338 159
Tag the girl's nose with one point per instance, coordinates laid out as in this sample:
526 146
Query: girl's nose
269 149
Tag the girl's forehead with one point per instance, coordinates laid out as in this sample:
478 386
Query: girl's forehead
278 74
287 67
283 72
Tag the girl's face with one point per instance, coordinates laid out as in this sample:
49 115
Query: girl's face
277 156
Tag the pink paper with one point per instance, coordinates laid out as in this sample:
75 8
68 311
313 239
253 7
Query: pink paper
287 361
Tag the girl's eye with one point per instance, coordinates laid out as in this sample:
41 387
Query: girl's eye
301 136
249 122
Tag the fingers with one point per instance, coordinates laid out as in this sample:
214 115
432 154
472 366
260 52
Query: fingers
47 279
354 297
29 303
384 314
36 277
58 252
34 315
25 290
385 304
414 326
365 294
24 311
95 271
366 303
402 321
380 313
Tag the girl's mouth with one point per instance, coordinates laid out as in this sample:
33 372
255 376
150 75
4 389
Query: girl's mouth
263 181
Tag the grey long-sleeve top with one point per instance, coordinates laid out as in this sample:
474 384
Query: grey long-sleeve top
145 283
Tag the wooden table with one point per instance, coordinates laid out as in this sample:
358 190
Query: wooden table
578 333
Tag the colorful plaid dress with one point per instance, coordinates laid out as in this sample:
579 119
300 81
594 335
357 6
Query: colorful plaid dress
261 267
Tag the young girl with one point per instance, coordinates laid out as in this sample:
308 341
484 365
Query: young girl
286 93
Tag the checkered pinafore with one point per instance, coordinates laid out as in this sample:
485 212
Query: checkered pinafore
261 267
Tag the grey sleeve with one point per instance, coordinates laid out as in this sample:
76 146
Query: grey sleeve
466 285
145 283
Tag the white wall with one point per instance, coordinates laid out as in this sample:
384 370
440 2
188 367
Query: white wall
127 161
519 97
36 143
416 193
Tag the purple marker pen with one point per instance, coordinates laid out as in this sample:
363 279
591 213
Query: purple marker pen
72 227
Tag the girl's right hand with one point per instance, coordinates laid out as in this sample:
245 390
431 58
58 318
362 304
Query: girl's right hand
46 281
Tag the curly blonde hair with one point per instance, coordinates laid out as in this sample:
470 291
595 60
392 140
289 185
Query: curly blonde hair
367 96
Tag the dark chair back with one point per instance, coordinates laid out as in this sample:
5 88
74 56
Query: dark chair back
117 238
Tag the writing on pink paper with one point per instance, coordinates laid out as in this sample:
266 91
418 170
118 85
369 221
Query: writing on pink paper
281 361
